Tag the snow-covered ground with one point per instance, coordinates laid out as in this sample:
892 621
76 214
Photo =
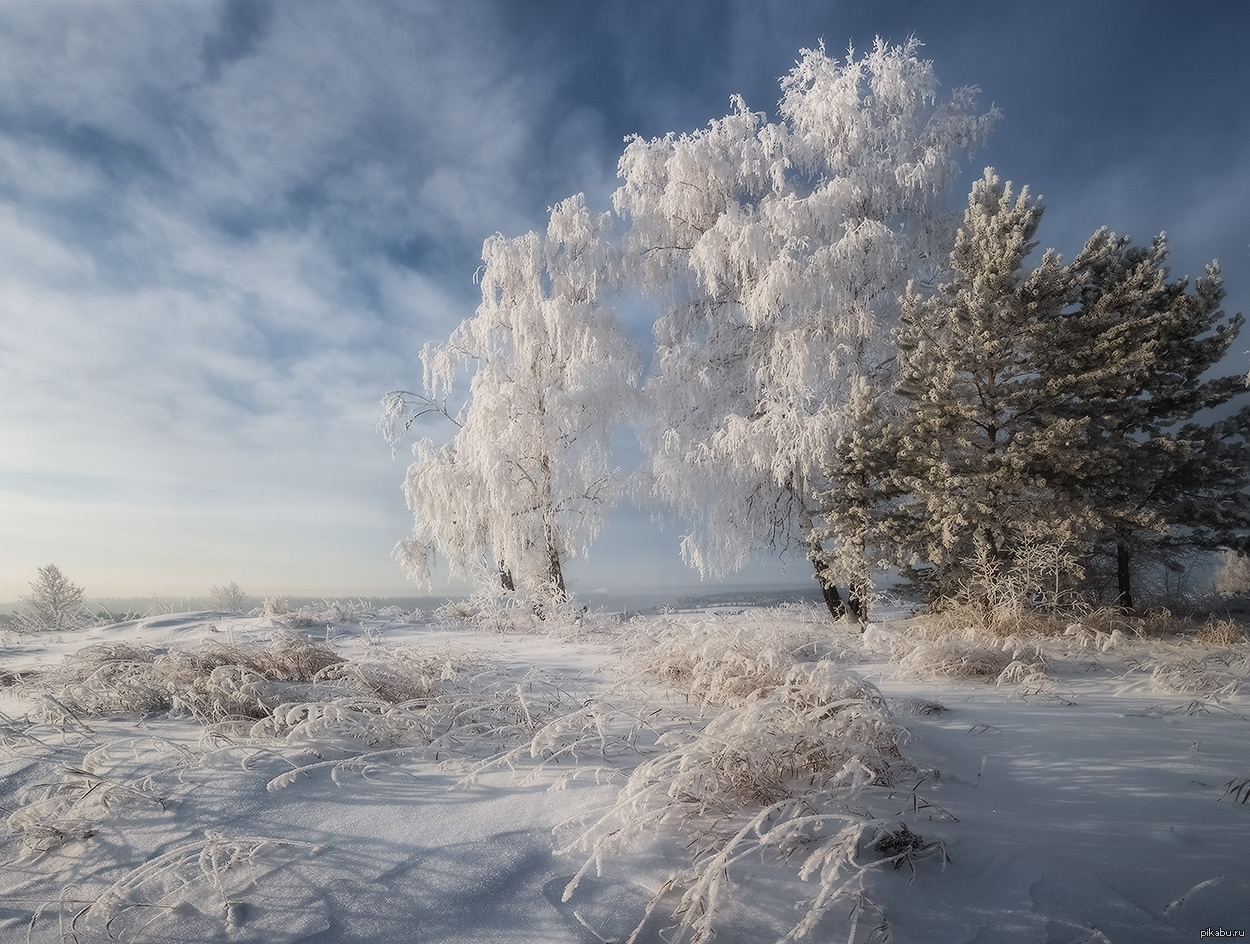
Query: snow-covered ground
201 777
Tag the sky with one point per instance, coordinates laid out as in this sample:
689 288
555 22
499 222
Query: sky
228 228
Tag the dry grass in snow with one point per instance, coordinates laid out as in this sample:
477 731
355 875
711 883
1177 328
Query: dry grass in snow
186 780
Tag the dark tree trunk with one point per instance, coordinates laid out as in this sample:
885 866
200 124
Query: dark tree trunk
833 599
857 601
816 554
505 578
555 573
1124 575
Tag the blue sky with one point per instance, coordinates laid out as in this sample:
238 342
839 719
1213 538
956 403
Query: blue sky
228 229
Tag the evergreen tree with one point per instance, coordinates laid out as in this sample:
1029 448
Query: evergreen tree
979 442
53 604
861 469
1136 357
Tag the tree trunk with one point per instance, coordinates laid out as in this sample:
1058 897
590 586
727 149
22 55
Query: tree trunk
505 578
555 573
1124 575
861 581
816 554
833 599
857 601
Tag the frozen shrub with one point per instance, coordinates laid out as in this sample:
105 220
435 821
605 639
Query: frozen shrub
774 749
718 662
969 655
1221 632
1233 576
1092 638
278 610
214 684
1191 677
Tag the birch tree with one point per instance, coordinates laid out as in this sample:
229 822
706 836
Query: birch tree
776 252
527 478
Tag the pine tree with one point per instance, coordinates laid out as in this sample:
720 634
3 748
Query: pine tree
861 467
53 604
979 442
1136 356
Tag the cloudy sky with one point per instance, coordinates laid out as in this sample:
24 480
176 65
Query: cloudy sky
229 227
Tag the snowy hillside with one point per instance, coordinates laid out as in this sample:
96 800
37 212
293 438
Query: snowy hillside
391 778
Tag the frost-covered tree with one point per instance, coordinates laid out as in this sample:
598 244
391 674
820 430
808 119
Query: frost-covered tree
1232 578
1137 356
1058 406
861 468
228 599
53 604
526 479
980 441
776 252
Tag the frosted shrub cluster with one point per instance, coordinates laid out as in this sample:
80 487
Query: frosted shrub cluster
1175 669
279 610
218 683
970 654
303 693
550 613
768 746
720 662
287 709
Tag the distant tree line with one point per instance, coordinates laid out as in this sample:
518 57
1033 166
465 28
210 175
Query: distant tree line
842 366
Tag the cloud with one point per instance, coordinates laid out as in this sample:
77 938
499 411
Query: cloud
241 27
232 227
228 228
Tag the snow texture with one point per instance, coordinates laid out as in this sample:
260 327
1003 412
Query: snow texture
473 775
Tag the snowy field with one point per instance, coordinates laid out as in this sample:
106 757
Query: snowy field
393 778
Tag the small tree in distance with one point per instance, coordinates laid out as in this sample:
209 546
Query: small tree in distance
54 603
228 599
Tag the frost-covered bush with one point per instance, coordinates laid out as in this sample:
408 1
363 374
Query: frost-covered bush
1193 677
1090 637
719 662
278 610
213 684
767 748
496 610
1233 576
1221 632
493 609
968 654
305 694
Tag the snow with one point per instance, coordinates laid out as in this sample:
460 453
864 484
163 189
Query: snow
1094 800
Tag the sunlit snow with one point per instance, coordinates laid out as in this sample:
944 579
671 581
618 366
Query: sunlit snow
398 777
